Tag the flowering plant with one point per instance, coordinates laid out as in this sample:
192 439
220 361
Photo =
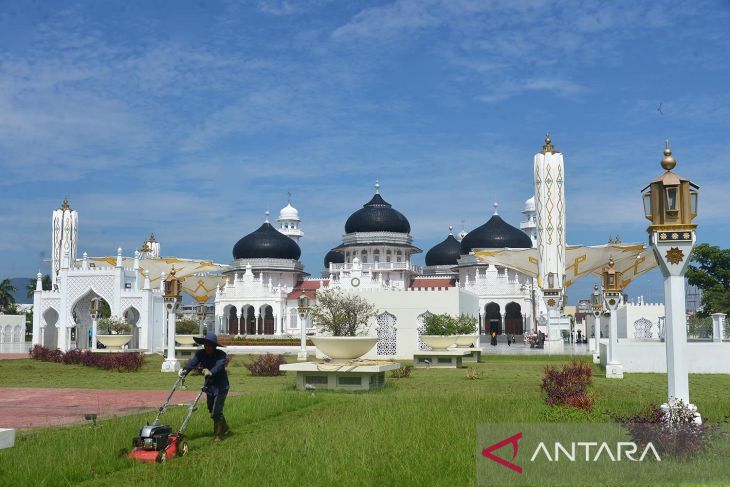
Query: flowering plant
114 326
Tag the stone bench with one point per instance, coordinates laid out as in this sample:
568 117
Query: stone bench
340 375
452 358
475 354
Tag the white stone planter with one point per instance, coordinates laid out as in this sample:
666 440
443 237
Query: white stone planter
185 340
439 342
114 342
466 341
344 347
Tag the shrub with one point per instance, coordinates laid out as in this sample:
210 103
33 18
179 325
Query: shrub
341 314
569 385
442 324
266 365
465 325
473 374
403 373
187 327
114 326
673 431
123 362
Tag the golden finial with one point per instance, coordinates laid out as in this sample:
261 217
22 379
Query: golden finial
65 206
548 147
172 272
668 162
152 238
611 263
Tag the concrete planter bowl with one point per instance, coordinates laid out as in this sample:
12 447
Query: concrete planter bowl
344 348
114 342
185 340
466 341
439 342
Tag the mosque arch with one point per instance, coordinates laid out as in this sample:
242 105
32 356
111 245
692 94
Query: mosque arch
18 334
493 318
267 323
131 315
230 314
513 320
49 332
249 317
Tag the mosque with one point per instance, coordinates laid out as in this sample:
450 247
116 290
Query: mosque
257 293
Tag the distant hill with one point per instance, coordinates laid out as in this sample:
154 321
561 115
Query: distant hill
20 294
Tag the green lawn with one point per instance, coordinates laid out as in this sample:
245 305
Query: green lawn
416 431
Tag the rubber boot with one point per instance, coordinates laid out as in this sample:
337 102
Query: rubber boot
224 427
217 431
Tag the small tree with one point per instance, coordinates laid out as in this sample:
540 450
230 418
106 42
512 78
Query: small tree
465 325
341 314
114 326
442 324
187 327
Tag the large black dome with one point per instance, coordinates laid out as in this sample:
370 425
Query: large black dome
444 253
333 257
377 216
495 234
266 242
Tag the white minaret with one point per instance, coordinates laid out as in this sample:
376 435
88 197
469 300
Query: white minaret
289 221
64 235
150 248
550 216
529 225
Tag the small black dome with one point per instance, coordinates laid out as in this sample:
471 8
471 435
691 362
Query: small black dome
444 253
495 234
333 257
377 216
266 242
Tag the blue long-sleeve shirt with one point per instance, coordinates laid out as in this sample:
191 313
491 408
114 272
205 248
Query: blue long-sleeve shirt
216 363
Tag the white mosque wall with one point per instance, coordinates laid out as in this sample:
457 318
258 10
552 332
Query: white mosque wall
640 320
397 323
12 328
651 356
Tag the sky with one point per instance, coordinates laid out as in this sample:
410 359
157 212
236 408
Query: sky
190 119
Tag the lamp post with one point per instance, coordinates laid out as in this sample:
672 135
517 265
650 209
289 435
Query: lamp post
303 309
94 312
201 310
612 287
597 306
171 298
670 204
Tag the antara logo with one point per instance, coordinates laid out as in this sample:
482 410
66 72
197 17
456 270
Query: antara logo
592 452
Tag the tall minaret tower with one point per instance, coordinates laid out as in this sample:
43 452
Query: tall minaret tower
64 236
529 225
289 221
550 217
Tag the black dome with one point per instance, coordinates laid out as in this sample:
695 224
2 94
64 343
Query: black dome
377 216
266 242
333 257
444 253
495 234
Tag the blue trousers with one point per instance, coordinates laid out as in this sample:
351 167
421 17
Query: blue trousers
215 403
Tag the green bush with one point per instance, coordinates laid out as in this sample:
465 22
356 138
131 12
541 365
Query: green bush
113 326
187 327
445 324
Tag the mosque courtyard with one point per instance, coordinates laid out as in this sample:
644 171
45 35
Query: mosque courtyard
418 430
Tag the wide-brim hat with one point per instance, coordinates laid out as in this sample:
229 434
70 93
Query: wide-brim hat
209 338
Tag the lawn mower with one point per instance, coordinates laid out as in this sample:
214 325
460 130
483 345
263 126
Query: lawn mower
157 442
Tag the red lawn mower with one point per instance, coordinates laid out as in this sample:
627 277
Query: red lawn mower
156 442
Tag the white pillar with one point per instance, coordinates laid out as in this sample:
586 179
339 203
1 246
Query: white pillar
94 322
238 321
718 322
171 363
256 315
676 338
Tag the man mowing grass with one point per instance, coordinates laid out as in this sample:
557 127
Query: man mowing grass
213 363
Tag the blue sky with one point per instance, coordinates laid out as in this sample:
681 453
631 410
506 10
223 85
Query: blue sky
190 119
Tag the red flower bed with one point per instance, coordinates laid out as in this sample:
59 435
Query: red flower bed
569 385
123 362
261 342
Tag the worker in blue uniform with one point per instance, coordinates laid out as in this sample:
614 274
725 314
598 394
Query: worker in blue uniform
212 363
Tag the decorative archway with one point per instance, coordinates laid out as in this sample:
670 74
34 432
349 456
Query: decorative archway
387 340
232 318
493 319
266 320
250 321
131 315
513 322
48 327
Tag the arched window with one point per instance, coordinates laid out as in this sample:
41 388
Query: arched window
387 343
364 256
388 256
376 255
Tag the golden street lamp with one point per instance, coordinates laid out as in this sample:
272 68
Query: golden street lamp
670 204
612 296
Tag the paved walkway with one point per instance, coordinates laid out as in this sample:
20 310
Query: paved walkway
26 407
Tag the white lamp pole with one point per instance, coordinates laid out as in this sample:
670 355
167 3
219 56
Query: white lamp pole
597 305
94 312
171 297
303 309
670 203
612 292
